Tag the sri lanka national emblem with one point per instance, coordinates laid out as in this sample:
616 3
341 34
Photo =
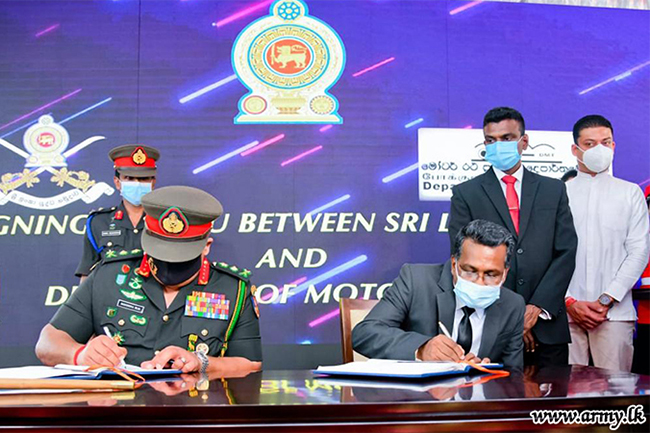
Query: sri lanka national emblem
288 60
46 149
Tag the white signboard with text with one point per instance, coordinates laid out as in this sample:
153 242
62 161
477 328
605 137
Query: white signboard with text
448 156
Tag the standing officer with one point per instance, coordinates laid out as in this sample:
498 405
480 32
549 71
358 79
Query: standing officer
120 227
169 304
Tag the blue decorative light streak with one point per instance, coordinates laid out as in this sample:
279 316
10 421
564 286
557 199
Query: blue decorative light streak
225 157
400 173
329 204
207 89
413 123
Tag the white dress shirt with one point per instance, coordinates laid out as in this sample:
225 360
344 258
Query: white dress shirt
476 320
611 220
519 175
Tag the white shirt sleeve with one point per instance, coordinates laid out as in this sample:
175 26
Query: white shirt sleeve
637 248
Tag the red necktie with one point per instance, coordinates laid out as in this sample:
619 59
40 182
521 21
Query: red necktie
512 200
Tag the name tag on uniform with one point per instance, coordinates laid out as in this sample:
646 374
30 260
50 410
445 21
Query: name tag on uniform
207 305
121 303
109 233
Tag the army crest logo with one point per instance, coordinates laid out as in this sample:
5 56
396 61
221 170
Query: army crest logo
288 60
46 150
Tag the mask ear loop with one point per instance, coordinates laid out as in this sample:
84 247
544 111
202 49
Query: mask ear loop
581 150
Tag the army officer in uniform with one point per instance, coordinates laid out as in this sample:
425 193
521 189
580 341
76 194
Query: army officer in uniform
120 226
166 307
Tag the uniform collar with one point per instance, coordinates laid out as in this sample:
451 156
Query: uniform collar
125 222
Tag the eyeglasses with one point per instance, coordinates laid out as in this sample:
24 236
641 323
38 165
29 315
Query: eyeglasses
489 279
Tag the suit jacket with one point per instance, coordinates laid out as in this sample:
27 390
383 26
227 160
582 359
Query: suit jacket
407 317
544 258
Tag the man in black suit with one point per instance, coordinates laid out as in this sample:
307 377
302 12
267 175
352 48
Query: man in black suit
464 295
535 210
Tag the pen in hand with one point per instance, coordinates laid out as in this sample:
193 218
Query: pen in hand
108 334
444 330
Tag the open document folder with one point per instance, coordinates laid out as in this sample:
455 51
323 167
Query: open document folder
410 385
63 371
396 369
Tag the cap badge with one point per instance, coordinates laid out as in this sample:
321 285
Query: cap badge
139 156
173 221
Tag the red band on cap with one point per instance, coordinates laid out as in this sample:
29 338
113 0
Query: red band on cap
154 226
127 161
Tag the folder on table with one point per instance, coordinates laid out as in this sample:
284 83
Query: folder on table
398 369
63 371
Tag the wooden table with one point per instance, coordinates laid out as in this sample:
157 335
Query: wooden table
299 401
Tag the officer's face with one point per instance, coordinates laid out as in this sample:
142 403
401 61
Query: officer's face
204 253
118 180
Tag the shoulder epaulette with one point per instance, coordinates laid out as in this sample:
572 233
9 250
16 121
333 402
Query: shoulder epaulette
102 210
116 256
241 273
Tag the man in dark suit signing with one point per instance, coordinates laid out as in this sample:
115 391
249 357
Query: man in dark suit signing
464 295
535 209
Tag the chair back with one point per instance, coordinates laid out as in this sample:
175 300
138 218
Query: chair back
353 311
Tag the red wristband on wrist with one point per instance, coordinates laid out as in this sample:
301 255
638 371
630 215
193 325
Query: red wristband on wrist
570 301
76 354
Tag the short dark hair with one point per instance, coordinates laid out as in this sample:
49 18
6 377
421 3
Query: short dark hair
499 114
485 233
117 174
569 175
590 121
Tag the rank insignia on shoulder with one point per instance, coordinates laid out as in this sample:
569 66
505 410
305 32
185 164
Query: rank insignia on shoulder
114 256
243 274
100 210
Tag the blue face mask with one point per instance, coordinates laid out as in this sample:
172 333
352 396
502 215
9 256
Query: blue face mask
503 154
474 295
134 191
